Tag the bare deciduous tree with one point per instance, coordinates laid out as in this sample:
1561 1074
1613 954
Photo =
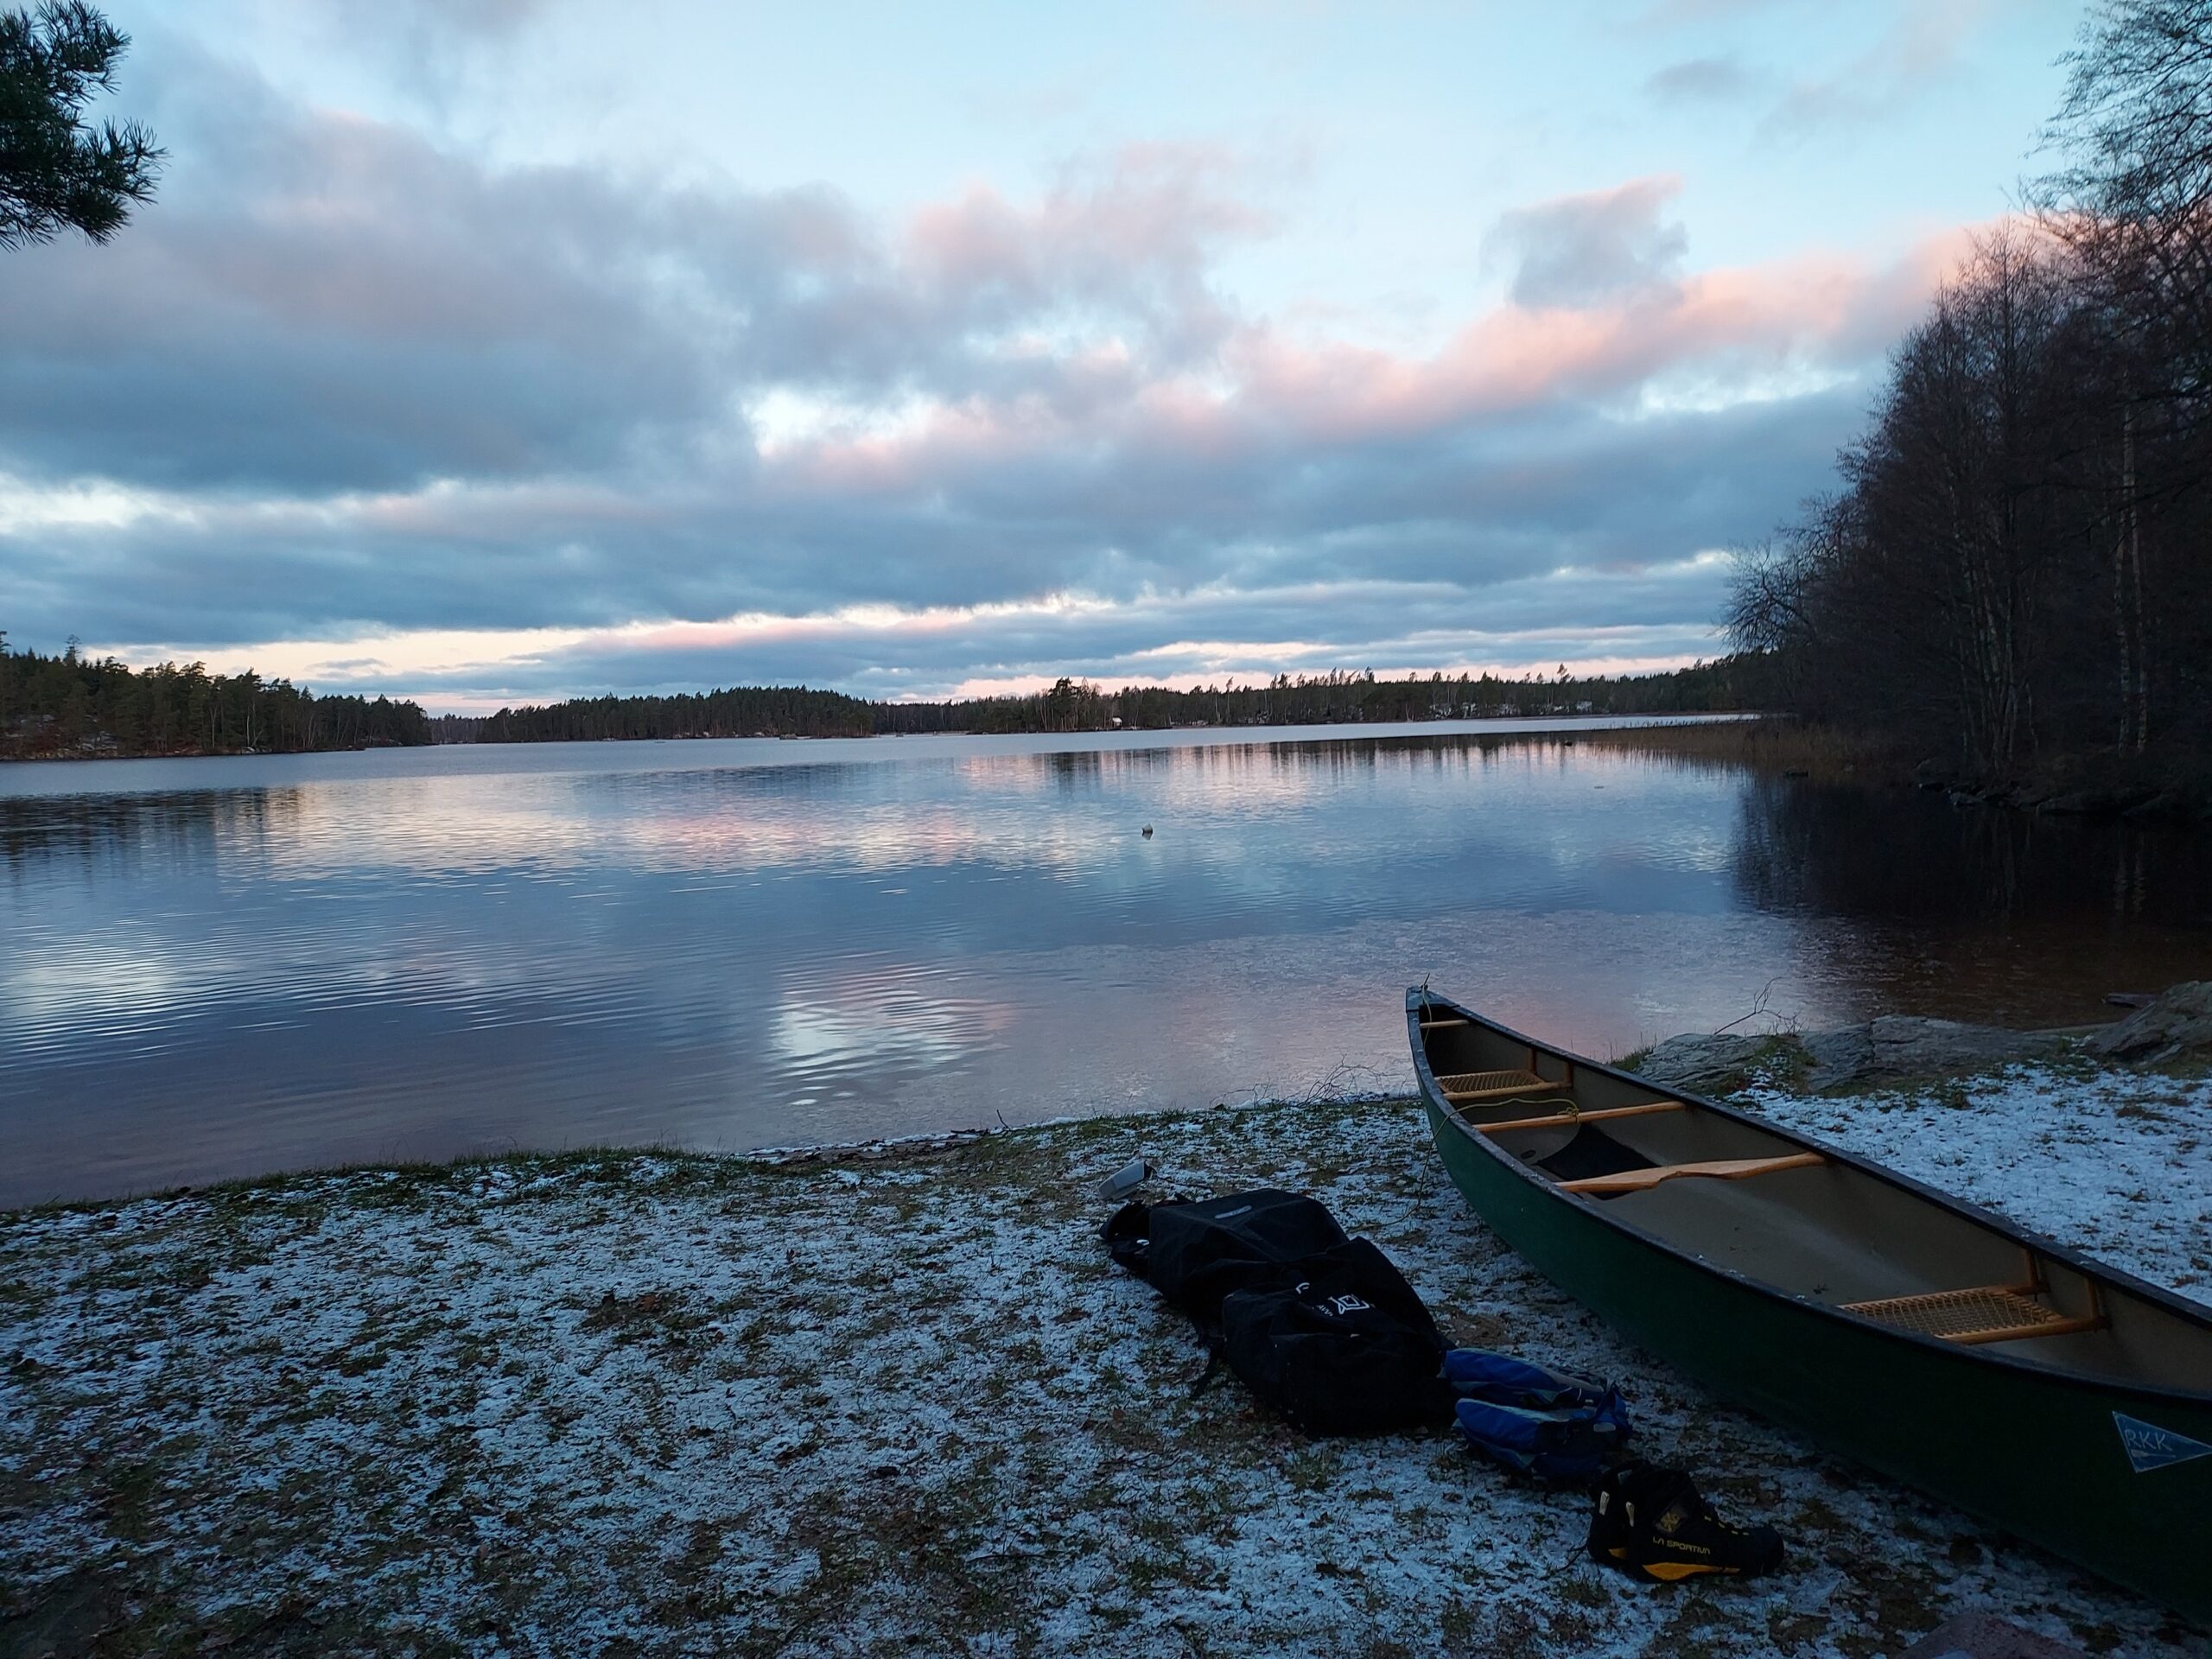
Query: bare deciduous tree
2015 562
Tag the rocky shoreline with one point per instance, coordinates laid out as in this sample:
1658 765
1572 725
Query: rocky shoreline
1893 1047
2134 800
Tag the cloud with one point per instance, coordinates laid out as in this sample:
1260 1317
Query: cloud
1920 44
1915 52
1670 14
432 46
374 409
1464 503
1583 251
1702 80
1212 633
328 302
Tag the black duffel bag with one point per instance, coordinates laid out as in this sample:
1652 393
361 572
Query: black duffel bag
1321 1327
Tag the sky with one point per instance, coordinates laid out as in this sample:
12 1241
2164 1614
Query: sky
496 351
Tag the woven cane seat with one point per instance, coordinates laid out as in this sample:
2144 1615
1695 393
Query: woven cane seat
1987 1314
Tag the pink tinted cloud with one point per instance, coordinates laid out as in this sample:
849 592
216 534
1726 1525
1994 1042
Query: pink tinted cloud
1593 247
851 622
1825 310
1819 311
1148 208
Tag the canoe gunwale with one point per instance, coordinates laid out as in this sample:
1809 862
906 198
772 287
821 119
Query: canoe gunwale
1421 1001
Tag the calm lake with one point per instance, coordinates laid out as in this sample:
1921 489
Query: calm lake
220 967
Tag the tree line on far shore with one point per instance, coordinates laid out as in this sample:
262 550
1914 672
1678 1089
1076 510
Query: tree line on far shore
1337 697
2012 577
73 706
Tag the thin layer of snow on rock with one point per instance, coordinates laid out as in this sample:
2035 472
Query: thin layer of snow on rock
609 1404
1702 1063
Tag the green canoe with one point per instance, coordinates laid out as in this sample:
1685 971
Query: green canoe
2067 1403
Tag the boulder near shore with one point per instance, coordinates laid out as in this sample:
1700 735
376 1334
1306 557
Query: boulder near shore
1902 1046
2178 1022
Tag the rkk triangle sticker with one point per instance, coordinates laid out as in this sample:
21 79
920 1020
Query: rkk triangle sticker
2150 1448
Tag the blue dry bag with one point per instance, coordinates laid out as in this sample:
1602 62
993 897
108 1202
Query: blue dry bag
1536 1422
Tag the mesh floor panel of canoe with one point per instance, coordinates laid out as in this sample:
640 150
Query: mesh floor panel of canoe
1484 1083
1959 1313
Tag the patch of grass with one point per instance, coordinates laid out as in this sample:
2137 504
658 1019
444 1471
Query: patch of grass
1780 1063
1312 1469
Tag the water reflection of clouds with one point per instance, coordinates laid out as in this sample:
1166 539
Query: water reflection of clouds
1010 809
103 990
538 827
423 962
875 1026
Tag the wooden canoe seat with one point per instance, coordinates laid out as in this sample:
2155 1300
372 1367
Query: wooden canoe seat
1718 1169
1986 1313
1568 1119
1464 1086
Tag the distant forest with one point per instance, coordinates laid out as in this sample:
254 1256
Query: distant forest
2011 578
78 707
1340 697
73 706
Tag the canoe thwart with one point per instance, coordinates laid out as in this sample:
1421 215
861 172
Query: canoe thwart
1494 1085
1985 1313
1440 1025
1718 1169
1567 1120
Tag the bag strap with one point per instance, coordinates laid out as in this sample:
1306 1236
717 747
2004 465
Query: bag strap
1128 1238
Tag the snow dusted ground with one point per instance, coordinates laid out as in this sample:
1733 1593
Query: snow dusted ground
898 1400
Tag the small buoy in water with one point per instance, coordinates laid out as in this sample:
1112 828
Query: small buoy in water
1126 1179
1147 832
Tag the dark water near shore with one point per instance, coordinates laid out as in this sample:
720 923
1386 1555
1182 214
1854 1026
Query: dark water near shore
217 967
